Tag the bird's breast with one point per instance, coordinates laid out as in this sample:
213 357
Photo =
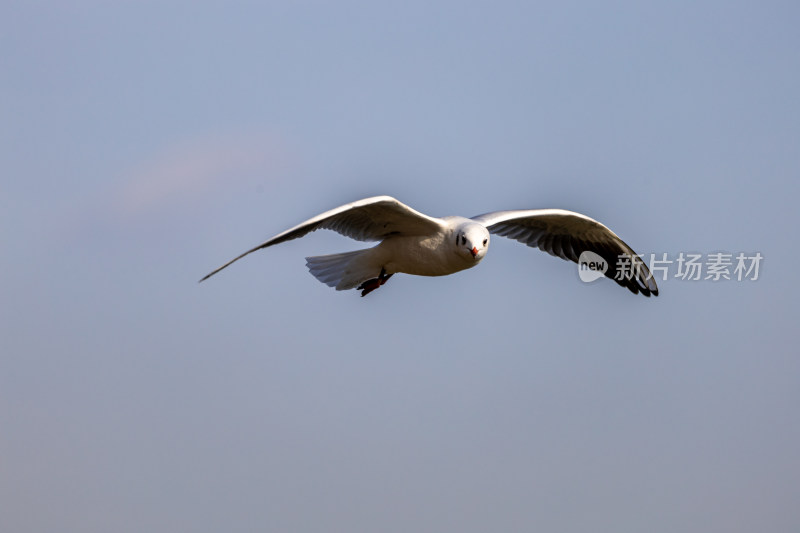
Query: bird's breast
423 256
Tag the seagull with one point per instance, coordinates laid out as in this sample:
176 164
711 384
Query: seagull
417 244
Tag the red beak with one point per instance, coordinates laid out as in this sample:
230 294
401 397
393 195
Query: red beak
474 251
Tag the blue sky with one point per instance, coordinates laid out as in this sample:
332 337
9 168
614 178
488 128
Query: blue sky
145 143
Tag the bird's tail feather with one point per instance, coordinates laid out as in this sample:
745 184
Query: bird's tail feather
342 271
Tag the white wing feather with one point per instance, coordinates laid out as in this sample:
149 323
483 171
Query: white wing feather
567 234
370 219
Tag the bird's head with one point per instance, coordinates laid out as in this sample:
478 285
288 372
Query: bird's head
471 241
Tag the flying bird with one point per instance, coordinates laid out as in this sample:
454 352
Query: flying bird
414 243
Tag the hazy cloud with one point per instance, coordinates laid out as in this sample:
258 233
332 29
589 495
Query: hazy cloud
195 169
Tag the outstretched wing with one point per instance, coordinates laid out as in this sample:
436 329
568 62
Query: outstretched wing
567 234
370 219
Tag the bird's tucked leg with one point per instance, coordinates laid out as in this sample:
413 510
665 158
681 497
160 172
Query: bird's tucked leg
372 284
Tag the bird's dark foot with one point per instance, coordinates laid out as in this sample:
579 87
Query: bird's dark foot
372 284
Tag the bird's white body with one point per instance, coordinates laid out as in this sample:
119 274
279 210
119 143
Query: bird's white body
419 256
413 243
439 254
432 255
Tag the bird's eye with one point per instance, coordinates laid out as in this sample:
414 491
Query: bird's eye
485 241
463 240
